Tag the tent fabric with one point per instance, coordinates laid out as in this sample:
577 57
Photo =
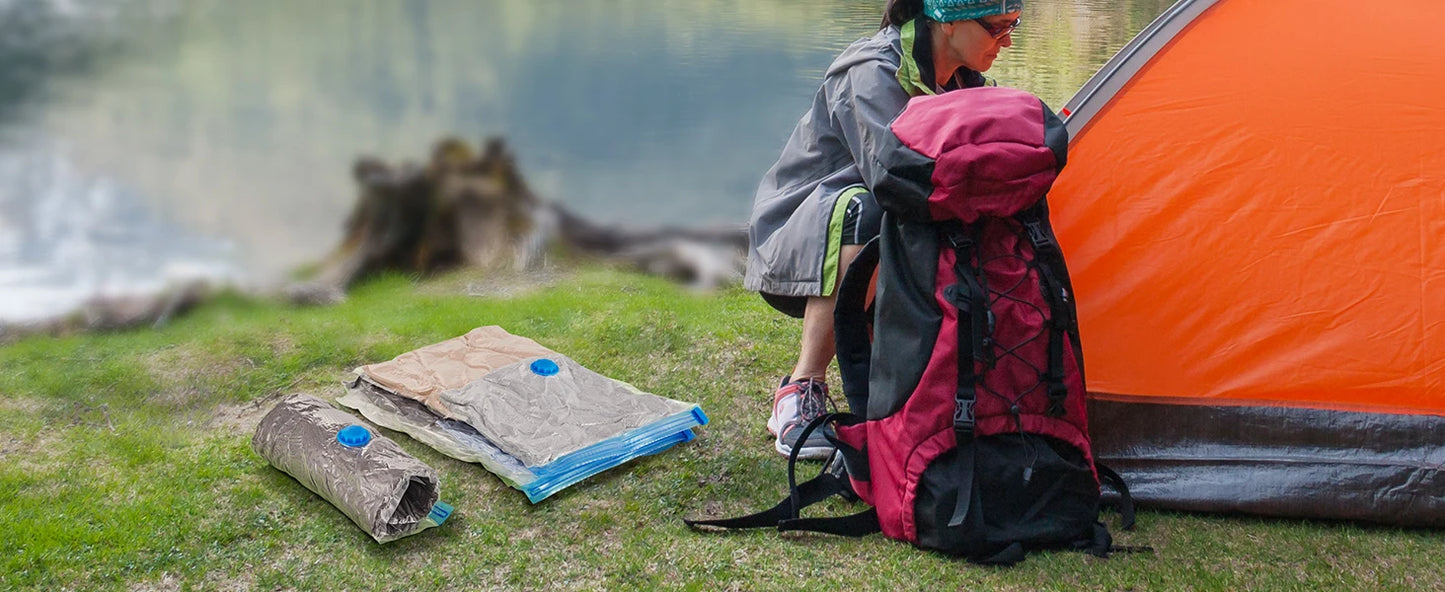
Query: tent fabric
1254 215
1276 460
536 418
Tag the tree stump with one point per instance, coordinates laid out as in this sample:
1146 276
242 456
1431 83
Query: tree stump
469 209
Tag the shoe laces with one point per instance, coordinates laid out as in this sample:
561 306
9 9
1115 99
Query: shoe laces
813 401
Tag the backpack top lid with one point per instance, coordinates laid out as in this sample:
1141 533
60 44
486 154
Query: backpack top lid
988 151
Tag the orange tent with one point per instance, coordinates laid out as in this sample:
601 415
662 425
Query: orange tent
1254 217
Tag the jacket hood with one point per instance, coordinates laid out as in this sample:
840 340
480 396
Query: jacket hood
911 43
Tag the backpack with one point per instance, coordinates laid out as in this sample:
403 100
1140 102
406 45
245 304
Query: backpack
959 350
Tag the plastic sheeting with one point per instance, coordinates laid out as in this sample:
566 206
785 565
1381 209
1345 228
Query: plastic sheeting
537 419
380 487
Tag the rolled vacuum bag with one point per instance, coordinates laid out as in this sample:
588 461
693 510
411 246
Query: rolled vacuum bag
384 490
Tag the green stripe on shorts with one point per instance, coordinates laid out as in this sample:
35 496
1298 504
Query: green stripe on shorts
835 238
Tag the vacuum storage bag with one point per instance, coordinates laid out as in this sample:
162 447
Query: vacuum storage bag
539 410
537 419
384 490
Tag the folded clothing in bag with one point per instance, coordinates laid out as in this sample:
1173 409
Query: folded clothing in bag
384 490
423 373
540 421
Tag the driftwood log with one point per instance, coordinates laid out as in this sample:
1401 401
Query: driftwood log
470 209
104 313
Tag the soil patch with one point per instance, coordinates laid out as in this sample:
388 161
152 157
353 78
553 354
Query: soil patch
244 417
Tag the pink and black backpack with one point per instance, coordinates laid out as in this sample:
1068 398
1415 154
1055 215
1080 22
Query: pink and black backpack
959 349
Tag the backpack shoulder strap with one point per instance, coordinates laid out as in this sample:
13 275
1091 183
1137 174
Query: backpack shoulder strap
810 492
851 319
785 515
1125 502
856 525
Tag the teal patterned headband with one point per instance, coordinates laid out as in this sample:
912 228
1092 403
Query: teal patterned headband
945 11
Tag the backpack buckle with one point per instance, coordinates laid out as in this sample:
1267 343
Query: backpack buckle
1037 236
963 419
959 241
956 294
957 238
1057 393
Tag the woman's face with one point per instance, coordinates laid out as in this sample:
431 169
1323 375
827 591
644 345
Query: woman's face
972 46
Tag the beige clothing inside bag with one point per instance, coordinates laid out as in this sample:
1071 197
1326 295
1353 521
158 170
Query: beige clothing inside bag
422 374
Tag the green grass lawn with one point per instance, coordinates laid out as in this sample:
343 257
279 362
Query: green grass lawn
125 464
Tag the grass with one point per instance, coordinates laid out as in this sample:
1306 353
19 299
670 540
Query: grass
125 464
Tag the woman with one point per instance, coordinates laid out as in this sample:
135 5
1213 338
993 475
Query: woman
814 210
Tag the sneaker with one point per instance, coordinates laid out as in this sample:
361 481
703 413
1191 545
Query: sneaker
795 404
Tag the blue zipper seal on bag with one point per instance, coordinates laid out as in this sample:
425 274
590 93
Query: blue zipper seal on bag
440 512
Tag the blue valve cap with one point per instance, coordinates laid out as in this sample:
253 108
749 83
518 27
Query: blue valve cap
354 436
545 367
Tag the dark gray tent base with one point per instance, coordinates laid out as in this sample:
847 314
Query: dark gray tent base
1276 461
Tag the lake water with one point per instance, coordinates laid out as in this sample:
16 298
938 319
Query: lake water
147 141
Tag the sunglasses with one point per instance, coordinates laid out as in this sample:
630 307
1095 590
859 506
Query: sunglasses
998 32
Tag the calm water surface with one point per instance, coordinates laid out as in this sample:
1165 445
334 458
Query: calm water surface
145 141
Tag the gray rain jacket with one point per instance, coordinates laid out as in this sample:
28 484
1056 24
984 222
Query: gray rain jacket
793 234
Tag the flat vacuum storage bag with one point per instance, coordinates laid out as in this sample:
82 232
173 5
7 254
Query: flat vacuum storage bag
537 419
541 409
384 490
